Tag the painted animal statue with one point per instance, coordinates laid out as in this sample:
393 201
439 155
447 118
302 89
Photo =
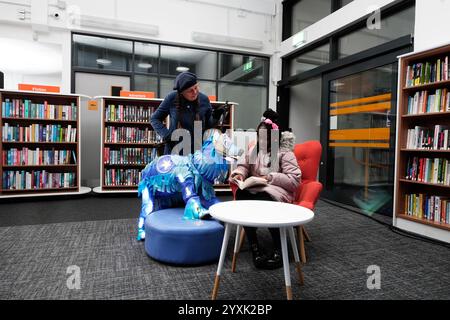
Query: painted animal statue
171 179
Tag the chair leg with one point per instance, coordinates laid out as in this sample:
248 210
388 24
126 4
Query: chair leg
308 238
241 239
301 244
236 247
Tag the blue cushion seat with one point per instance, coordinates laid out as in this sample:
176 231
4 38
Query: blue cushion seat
171 239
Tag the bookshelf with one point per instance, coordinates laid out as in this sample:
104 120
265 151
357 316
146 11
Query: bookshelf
125 159
228 124
422 178
128 141
39 148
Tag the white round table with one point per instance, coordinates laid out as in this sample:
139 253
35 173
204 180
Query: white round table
267 214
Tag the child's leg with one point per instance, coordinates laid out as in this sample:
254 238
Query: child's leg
275 233
251 235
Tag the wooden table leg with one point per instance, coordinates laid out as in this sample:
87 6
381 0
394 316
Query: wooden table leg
301 241
284 252
307 237
298 264
223 251
241 240
236 248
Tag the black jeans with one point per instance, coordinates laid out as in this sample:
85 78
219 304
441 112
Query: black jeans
251 231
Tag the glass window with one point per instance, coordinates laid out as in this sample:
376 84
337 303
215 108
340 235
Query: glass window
361 138
310 60
146 57
206 87
305 109
166 86
102 53
236 67
175 60
153 67
391 28
252 103
344 3
146 83
307 12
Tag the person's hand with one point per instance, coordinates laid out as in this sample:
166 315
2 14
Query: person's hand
238 177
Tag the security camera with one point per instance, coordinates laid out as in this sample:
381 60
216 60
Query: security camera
56 15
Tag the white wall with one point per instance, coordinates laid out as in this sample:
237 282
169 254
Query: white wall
48 79
432 25
60 38
176 20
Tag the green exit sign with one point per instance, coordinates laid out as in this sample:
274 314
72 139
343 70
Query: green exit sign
248 66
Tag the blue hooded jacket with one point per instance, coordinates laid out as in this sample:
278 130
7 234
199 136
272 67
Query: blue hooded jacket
185 117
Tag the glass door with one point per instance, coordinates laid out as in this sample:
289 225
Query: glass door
359 137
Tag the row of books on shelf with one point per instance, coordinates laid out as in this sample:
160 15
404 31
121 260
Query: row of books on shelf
33 157
29 180
39 133
427 207
122 177
424 102
17 108
429 170
436 138
129 155
427 72
127 113
130 135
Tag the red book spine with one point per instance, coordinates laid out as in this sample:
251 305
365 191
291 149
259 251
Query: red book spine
422 169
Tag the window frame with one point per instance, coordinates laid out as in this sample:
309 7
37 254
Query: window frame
332 38
158 74
283 86
287 15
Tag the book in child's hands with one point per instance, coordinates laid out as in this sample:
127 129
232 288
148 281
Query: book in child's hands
250 182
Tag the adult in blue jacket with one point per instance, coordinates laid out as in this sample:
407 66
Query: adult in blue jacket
183 106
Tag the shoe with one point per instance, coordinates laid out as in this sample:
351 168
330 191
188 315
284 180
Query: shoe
259 258
275 261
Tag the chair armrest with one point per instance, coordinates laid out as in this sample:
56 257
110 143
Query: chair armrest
309 194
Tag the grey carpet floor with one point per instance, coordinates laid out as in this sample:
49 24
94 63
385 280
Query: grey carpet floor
113 265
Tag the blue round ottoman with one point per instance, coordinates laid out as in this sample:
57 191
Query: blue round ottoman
171 239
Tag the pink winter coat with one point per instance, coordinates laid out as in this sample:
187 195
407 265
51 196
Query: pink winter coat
283 184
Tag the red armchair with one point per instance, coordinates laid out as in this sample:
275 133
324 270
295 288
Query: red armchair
308 156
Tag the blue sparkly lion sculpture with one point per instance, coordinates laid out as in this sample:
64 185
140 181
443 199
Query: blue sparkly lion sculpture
170 180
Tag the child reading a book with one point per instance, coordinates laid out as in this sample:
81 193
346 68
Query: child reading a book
274 176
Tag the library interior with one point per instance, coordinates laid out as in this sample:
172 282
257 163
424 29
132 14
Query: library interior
225 150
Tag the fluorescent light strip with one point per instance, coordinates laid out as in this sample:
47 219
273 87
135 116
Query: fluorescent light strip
144 65
226 40
104 62
111 24
182 69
